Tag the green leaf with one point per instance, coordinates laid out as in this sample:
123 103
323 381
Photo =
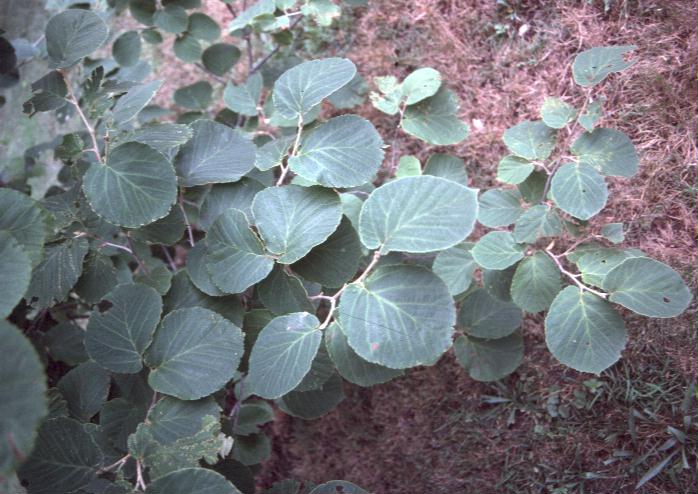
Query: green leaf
85 388
142 10
596 263
15 273
219 58
484 316
352 367
536 282
498 282
335 261
592 66
346 151
190 480
489 360
98 278
58 272
537 222
613 232
171 419
22 388
73 34
152 36
117 338
322 11
531 140
136 187
499 207
126 49
497 250
187 48
163 137
455 266
283 293
435 120
408 166
648 287
388 100
320 371
252 449
195 96
203 27
272 153
195 352
583 331
304 86
351 95
21 217
131 103
48 93
251 416
294 219
67 468
245 17
420 84
533 187
171 19
216 154
313 404
184 294
65 343
236 259
335 486
198 272
221 197
556 113
593 114
514 170
579 190
418 214
283 354
448 167
399 317
609 151
243 99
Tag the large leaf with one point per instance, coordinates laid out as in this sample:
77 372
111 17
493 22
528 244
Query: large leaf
171 19
583 331
136 187
164 137
532 140
216 154
609 151
294 219
117 338
219 58
273 153
418 214
435 119
22 217
592 66
195 96
252 449
243 99
73 34
420 84
283 293
194 353
484 316
119 418
448 167
346 151
251 416
221 197
131 103
497 250
647 287
22 401
192 480
352 367
313 404
537 222
85 388
456 267
499 207
596 263
579 190
58 272
203 27
536 282
15 273
283 354
514 170
198 270
65 343
399 317
171 419
489 360
304 86
244 18
236 258
556 113
335 261
65 458
126 49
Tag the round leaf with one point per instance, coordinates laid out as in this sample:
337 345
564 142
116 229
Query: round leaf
171 419
536 282
283 293
532 140
126 49
190 480
484 316
187 48
21 217
514 170
609 151
401 316
283 354
171 19
497 250
221 197
15 273
499 207
203 27
583 331
489 360
456 267
556 113
537 222
314 404
592 66
73 34
448 167
219 58
647 287
435 120
579 190
420 84
417 214
195 352
195 96
336 486
136 187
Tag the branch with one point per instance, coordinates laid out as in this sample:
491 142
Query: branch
73 100
190 232
574 277
294 151
136 256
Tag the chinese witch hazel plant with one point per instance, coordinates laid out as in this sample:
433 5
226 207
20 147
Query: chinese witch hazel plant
313 256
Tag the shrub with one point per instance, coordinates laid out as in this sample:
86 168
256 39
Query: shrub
311 257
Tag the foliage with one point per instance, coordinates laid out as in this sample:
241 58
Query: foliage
310 257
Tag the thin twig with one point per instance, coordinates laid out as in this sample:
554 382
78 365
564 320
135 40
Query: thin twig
170 260
117 464
211 74
190 232
140 483
574 277
140 262
294 151
90 130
